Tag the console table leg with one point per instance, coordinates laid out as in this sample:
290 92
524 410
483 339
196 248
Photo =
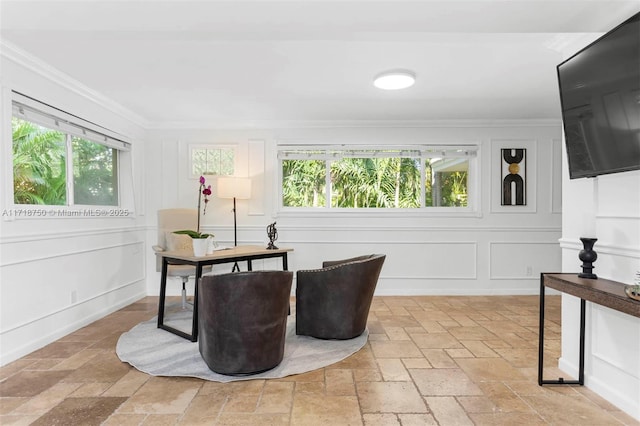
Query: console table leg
582 324
541 334
560 380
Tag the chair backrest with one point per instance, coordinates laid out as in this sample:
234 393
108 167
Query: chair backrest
327 263
334 302
242 319
170 220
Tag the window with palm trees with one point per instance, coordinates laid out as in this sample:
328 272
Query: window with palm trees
381 178
58 163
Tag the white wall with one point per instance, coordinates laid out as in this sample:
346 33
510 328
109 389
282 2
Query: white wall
608 206
60 273
499 250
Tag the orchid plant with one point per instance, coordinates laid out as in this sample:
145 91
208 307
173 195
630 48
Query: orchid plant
204 192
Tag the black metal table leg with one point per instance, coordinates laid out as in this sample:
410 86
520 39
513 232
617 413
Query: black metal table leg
163 292
560 380
194 323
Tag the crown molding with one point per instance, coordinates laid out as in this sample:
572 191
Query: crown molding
25 59
33 63
325 124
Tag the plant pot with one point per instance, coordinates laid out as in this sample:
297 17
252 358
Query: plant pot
200 246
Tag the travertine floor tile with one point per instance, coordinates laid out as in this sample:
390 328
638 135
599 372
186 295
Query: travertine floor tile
203 409
393 370
323 410
128 384
339 382
252 419
444 381
48 399
436 341
58 349
397 349
7 405
479 349
390 397
104 367
417 420
438 358
17 420
162 395
430 360
476 404
488 369
161 420
381 420
277 397
562 409
447 411
125 420
506 419
30 383
83 411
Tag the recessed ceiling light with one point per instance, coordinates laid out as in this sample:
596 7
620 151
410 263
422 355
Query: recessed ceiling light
394 80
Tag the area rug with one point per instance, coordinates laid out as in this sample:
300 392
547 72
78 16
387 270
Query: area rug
161 353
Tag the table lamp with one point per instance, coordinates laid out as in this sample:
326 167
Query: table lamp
236 188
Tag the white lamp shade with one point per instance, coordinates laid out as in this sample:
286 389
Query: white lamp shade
234 187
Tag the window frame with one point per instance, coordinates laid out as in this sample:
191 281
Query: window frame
473 180
31 110
192 147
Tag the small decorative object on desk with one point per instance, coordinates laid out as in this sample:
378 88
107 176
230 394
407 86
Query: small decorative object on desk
272 233
633 291
588 256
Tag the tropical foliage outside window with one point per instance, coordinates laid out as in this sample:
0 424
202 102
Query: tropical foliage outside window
375 178
49 165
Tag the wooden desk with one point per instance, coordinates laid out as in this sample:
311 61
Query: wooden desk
600 291
232 255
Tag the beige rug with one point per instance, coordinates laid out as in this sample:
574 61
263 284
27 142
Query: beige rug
160 353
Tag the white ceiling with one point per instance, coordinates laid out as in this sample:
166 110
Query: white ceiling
263 62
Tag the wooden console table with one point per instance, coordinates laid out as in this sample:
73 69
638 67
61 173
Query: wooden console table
232 255
600 291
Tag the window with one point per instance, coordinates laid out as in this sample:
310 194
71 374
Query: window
61 160
207 160
341 177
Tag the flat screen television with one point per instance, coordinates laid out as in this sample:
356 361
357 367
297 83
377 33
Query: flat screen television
600 99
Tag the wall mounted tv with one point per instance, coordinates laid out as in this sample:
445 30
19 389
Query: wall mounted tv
600 98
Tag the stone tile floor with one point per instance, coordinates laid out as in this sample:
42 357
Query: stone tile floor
429 361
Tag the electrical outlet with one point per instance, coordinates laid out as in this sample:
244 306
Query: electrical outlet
74 297
529 271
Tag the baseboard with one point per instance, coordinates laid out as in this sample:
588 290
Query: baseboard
43 340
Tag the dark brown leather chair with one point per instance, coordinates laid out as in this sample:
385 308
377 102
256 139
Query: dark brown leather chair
334 302
242 320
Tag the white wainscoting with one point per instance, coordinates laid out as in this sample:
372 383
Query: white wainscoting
445 261
523 260
612 339
55 285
